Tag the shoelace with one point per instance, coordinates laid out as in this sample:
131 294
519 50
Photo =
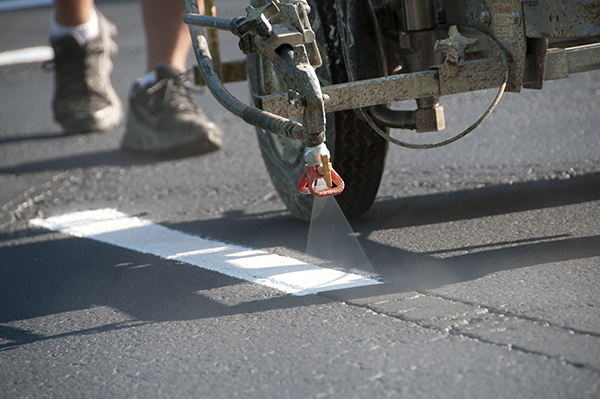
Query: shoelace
70 70
176 94
192 87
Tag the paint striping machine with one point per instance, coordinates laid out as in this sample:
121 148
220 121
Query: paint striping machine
323 73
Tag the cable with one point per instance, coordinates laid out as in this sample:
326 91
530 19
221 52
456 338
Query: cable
400 143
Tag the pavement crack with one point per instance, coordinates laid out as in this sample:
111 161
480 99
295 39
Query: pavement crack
503 313
513 347
489 326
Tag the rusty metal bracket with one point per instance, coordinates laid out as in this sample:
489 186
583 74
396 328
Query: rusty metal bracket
500 19
257 20
562 18
563 62
455 46
455 66
479 75
472 75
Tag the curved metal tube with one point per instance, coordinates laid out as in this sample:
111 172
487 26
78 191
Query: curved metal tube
211 22
308 86
254 116
394 118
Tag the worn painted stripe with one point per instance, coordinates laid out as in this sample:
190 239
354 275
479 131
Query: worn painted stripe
7 5
286 274
26 55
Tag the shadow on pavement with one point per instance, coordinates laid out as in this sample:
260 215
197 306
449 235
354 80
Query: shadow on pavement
19 336
49 275
54 275
19 138
87 160
425 270
477 203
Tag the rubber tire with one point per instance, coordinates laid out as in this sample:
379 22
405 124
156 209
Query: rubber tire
358 153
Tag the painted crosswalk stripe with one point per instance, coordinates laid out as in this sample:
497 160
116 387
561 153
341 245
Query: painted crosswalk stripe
26 55
289 275
8 5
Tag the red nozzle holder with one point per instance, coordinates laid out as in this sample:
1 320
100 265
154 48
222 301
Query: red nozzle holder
308 182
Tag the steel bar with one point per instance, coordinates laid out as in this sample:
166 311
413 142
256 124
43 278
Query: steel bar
472 75
210 22
563 62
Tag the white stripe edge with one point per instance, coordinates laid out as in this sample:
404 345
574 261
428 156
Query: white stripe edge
20 4
26 55
286 274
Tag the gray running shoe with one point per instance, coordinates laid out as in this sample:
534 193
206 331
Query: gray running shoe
164 120
84 99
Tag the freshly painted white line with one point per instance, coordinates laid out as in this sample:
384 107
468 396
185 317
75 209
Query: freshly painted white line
286 274
8 5
26 55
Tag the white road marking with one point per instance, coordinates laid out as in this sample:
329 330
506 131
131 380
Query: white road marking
8 5
285 274
26 55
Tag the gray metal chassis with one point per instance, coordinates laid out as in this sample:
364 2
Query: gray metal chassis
541 40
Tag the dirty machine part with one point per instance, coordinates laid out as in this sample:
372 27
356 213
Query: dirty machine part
358 153
352 58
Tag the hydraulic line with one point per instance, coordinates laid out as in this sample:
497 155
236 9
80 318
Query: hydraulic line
394 118
254 116
211 22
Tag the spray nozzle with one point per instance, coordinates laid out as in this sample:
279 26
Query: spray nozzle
318 167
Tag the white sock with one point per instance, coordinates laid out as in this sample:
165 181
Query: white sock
83 33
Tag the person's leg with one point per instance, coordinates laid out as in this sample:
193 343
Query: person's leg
73 12
163 118
82 39
168 38
76 18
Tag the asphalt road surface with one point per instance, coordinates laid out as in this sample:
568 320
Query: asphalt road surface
486 254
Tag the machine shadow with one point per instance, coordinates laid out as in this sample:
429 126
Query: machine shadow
81 275
87 160
477 203
281 233
21 138
408 271
145 288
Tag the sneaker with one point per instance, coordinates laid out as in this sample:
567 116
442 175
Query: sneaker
164 120
84 99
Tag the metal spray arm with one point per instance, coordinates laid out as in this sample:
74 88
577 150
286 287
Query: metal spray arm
290 46
254 116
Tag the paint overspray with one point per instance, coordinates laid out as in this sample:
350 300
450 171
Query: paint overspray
331 238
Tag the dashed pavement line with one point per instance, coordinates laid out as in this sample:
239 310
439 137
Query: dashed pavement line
286 274
26 55
9 5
